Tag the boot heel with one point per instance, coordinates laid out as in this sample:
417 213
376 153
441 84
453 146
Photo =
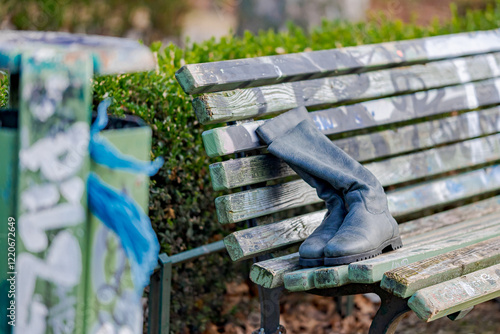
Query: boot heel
395 243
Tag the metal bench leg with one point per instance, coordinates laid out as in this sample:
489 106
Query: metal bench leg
391 311
159 297
345 305
270 311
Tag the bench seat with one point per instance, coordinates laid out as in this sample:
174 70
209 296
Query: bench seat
422 115
422 245
455 295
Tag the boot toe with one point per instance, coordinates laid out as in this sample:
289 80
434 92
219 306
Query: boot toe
343 246
312 249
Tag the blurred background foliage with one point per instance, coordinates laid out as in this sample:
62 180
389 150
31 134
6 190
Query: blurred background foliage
150 19
181 198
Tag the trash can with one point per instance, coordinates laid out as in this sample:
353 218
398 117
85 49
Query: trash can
71 273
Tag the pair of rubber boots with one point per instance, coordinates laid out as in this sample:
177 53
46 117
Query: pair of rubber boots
357 224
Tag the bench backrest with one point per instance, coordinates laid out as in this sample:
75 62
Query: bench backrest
420 114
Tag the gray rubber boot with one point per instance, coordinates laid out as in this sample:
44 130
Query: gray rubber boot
312 249
368 229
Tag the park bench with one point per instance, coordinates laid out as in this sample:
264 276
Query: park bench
422 115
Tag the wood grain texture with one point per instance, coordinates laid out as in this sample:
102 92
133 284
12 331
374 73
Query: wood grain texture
260 168
253 72
267 100
457 294
439 226
444 191
257 240
450 218
405 281
366 115
271 273
262 201
461 220
372 270
303 279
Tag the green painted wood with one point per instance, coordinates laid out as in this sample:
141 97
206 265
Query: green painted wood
372 270
331 277
253 72
450 218
406 280
438 160
52 226
8 177
444 191
458 221
300 280
246 171
111 269
262 201
270 273
267 100
248 243
260 168
366 115
457 294
159 297
109 54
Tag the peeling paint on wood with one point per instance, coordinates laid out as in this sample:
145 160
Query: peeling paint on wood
457 294
267 100
372 270
366 115
254 241
263 201
260 168
253 72
405 281
443 225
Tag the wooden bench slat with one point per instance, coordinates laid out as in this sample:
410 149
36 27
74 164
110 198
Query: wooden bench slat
457 294
463 220
468 214
271 273
329 277
262 201
444 191
253 72
267 100
260 168
258 240
368 114
372 270
406 280
437 160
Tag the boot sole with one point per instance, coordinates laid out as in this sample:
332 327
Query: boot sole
387 246
317 262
